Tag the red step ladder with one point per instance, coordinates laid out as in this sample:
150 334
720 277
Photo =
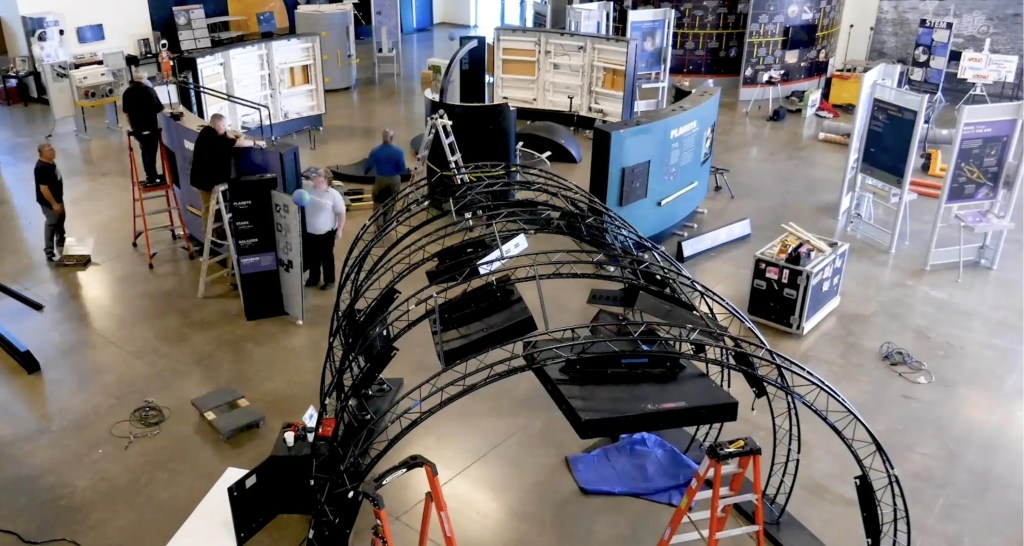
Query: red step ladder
164 189
723 459
434 500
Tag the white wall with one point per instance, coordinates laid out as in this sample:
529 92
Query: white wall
124 21
14 33
861 14
456 12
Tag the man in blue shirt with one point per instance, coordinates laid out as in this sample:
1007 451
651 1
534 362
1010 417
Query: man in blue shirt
387 162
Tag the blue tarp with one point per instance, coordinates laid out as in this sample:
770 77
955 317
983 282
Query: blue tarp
638 465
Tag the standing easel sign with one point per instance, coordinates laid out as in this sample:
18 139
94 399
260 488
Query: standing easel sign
931 55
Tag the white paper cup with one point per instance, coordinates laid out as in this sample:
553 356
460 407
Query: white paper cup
310 434
289 438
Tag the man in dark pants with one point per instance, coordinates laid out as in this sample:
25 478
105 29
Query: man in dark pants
50 196
141 104
387 162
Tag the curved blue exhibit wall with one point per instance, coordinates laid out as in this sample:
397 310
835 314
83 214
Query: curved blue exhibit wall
653 169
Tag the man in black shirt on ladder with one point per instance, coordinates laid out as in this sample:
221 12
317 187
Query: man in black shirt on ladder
141 104
50 196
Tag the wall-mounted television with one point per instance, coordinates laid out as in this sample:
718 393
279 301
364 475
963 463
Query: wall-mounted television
90 33
801 36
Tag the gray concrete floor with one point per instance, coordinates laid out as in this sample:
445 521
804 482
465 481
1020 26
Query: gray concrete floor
116 333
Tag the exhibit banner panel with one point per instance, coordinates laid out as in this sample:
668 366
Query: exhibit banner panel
977 195
651 28
888 149
288 235
886 74
252 229
931 55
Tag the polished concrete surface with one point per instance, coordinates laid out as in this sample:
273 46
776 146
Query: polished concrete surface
116 333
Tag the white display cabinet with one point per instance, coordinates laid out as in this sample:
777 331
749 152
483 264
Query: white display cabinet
585 74
298 78
284 75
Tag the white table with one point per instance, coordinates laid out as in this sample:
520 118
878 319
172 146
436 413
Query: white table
210 523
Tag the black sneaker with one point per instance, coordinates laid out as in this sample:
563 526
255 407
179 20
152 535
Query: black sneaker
311 283
50 258
327 286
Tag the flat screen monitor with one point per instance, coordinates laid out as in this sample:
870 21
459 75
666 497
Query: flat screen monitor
90 33
266 22
802 36
886 151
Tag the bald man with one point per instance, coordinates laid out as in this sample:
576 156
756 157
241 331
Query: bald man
50 196
387 162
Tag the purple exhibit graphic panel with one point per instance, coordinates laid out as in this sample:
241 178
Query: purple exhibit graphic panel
979 162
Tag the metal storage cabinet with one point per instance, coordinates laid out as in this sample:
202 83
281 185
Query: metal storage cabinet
796 298
336 28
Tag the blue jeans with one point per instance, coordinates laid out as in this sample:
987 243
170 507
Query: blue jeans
53 230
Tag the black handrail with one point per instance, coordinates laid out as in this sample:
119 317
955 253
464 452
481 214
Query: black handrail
217 94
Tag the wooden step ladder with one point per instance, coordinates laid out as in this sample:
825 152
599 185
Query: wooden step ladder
730 459
225 246
162 189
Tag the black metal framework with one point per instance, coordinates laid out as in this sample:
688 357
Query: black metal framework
384 295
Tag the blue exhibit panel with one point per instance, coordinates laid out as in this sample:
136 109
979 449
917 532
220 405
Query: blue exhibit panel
658 164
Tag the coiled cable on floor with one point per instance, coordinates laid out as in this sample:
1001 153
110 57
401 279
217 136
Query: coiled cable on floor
898 356
27 541
144 422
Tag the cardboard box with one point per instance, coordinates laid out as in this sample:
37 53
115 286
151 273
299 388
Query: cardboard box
426 79
519 68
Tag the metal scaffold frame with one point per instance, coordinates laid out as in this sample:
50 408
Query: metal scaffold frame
383 293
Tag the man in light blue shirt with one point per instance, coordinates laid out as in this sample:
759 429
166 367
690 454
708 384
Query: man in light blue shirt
387 162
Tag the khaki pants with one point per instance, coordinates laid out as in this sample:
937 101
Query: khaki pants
206 197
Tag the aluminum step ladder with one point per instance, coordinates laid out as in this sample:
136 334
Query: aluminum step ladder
730 459
160 190
439 124
226 246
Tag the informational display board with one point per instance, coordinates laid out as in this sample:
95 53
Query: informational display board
767 46
288 236
977 167
651 35
651 30
931 55
1005 65
252 228
978 197
887 141
708 38
887 74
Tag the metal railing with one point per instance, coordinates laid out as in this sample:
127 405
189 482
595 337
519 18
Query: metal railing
217 94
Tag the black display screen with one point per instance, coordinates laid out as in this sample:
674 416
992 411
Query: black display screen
802 36
887 142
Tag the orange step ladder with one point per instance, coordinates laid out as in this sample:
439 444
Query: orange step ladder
729 459
434 500
141 193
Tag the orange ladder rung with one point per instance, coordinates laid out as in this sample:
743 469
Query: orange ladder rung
141 194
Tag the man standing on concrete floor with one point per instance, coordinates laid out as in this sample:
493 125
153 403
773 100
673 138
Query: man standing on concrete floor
50 196
387 162
141 105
